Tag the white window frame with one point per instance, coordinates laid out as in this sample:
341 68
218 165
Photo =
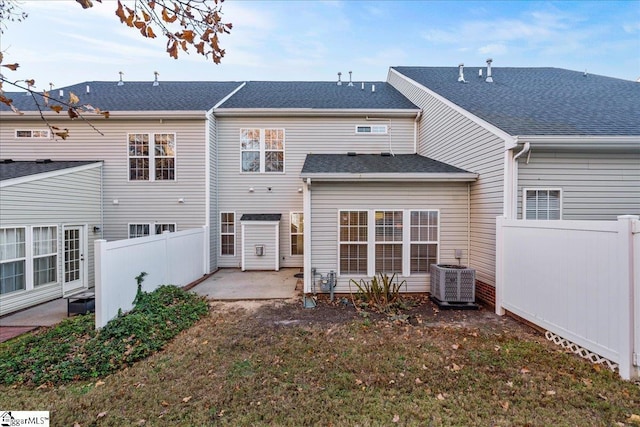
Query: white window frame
372 129
233 234
300 232
262 152
392 242
34 134
152 227
45 255
24 259
152 156
355 242
410 242
537 190
161 227
138 224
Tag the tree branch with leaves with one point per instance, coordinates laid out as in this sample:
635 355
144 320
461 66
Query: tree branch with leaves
187 25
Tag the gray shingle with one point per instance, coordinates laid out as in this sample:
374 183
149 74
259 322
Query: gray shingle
374 163
260 217
18 169
318 95
539 101
138 96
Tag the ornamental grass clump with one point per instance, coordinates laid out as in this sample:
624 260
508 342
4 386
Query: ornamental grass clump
382 292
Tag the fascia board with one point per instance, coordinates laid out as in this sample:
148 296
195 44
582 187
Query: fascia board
505 136
582 143
113 115
45 175
392 177
305 112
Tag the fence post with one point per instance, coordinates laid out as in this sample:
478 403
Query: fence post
626 302
100 273
500 265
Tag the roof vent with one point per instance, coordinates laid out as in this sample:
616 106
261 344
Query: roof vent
120 82
362 85
88 89
61 93
489 78
351 153
6 160
373 88
155 81
50 86
480 73
350 82
585 73
339 76
461 73
385 154
43 160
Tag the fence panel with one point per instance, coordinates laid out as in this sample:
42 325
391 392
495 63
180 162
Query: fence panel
170 258
572 278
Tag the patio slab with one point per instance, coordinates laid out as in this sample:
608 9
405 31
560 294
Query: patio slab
47 314
234 284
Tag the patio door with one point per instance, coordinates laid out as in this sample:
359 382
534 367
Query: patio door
74 279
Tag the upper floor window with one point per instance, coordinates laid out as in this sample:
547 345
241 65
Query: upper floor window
542 203
262 150
142 230
33 133
368 129
152 157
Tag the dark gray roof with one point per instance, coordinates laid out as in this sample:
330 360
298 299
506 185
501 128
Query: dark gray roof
260 217
318 95
18 169
374 163
539 101
138 96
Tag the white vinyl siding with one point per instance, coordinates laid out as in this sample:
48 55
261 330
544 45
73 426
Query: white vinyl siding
138 201
227 233
260 245
152 157
297 233
595 186
447 203
304 135
262 150
447 135
542 203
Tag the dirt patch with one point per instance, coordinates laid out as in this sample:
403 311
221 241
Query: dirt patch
420 311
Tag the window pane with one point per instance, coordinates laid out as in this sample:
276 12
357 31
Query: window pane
45 240
12 243
273 161
389 226
44 270
138 169
165 144
422 256
353 259
165 169
227 245
274 139
12 277
250 139
138 144
138 230
297 244
161 228
250 161
388 258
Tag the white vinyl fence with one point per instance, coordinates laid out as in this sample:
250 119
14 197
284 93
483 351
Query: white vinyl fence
168 259
579 280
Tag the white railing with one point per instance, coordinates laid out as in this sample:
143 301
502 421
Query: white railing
170 258
577 279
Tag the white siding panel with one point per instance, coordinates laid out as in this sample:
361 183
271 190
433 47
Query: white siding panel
303 136
260 235
328 199
597 186
69 199
448 136
139 202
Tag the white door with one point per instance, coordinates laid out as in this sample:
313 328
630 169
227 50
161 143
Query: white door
73 265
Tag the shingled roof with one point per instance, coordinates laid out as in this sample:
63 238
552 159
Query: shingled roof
361 165
18 169
319 95
138 96
539 101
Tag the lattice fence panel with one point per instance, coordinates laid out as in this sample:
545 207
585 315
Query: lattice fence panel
581 351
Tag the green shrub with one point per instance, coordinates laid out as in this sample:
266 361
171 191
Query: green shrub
74 350
381 292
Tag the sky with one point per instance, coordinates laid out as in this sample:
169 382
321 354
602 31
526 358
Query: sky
313 40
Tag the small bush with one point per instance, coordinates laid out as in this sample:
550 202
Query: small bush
381 292
74 350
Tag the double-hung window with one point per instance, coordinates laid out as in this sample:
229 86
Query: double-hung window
262 150
389 234
12 260
424 241
297 233
354 238
227 233
542 203
152 157
45 255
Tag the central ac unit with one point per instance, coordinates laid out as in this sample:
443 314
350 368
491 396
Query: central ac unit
453 283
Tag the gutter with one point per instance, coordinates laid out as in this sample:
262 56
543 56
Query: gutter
306 112
392 177
113 115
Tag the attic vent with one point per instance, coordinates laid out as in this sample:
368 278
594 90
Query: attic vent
43 160
377 129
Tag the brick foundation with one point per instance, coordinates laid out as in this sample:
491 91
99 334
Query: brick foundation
486 293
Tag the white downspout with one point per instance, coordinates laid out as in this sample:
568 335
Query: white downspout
306 209
525 149
415 132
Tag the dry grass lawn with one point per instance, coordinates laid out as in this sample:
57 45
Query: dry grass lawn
280 364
